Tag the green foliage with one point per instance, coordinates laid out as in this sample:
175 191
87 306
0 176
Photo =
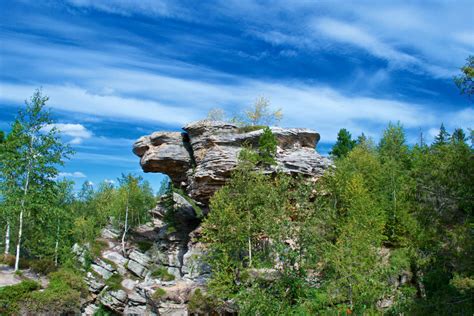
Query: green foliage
62 296
443 136
43 266
343 145
144 245
114 283
382 212
465 81
11 296
267 147
162 274
201 303
158 295
250 128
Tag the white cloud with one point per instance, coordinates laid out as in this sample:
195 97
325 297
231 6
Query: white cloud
351 34
78 132
109 181
76 174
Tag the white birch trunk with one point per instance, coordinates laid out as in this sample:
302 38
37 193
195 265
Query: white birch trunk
125 228
7 239
20 228
56 246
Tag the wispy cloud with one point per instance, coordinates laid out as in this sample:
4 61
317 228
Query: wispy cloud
76 174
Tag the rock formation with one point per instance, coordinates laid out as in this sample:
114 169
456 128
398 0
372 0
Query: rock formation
161 279
201 158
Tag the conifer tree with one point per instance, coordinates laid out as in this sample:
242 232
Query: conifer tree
443 136
343 145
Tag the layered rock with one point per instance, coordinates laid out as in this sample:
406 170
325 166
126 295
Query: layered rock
201 159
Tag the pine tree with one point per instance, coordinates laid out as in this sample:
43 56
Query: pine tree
344 144
267 146
443 136
459 136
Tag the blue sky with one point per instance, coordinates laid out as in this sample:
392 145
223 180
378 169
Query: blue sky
119 69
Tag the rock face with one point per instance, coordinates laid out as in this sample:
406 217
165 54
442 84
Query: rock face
201 159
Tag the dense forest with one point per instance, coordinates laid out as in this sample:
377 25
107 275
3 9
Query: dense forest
389 222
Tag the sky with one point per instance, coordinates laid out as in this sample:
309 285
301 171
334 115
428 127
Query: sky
119 69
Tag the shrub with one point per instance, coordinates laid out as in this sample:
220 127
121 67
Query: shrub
158 295
10 296
97 247
163 274
43 266
201 303
114 283
63 295
8 259
250 128
144 245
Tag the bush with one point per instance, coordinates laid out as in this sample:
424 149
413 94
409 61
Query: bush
163 274
158 295
7 259
10 296
114 283
250 128
43 266
144 245
201 303
97 246
63 295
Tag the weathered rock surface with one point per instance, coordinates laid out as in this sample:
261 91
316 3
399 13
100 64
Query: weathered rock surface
201 159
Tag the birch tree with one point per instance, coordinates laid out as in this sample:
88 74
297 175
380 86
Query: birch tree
35 152
135 199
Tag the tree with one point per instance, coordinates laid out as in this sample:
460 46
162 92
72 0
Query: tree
267 146
134 200
465 81
353 261
261 114
216 114
30 163
343 145
458 136
443 136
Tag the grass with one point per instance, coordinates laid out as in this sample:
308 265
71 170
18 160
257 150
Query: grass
144 245
249 128
97 247
196 207
159 293
162 274
114 283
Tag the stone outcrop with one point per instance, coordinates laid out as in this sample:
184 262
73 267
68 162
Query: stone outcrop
201 158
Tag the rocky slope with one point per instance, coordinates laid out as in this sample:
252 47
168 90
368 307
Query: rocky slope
161 279
201 158
159 271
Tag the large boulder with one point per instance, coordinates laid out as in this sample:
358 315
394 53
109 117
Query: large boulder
202 159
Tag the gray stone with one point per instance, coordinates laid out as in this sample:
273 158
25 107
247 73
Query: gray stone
136 299
140 258
137 268
135 310
117 258
202 159
104 273
90 310
171 309
94 284
114 300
